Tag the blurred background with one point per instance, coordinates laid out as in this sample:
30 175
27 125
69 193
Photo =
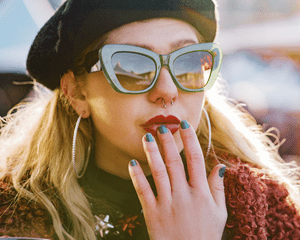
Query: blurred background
260 40
261 44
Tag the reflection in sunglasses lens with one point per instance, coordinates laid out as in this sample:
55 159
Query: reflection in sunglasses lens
134 71
193 69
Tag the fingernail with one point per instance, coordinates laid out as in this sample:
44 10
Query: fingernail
184 124
149 137
162 129
133 163
222 171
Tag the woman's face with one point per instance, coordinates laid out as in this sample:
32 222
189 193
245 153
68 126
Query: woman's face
119 118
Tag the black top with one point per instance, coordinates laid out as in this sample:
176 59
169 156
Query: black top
116 197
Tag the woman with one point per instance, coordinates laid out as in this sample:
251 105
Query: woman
113 152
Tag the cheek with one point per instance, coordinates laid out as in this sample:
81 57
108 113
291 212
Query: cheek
97 92
110 109
194 104
116 126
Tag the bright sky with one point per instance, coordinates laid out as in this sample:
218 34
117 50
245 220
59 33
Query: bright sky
17 33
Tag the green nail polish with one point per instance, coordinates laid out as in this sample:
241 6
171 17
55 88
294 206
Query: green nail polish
184 124
162 129
133 163
149 137
222 172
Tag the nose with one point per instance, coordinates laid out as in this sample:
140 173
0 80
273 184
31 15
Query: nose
164 89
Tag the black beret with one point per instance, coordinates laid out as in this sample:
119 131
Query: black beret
78 23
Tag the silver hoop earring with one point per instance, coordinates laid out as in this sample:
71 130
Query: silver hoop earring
74 150
209 132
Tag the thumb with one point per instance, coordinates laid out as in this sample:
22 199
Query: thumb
216 185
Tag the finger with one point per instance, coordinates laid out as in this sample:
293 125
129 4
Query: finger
142 186
194 157
172 159
216 185
157 167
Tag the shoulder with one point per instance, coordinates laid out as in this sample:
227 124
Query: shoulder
258 206
20 217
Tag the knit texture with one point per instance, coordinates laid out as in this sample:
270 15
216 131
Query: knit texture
258 208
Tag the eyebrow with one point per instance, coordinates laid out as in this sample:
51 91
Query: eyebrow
174 46
183 42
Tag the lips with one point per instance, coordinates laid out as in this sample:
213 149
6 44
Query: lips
171 122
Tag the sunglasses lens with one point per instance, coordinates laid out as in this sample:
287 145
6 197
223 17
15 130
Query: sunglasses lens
193 69
134 71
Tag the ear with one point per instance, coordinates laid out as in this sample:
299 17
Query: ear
74 94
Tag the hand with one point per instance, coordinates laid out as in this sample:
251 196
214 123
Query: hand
191 210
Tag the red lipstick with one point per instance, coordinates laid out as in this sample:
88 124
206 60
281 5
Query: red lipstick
171 122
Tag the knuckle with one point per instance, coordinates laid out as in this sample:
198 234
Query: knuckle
168 141
143 190
202 194
195 156
151 148
219 188
136 175
174 163
188 134
160 173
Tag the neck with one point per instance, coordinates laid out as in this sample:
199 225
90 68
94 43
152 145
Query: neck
114 161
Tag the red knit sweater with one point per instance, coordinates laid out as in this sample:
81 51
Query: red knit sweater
257 209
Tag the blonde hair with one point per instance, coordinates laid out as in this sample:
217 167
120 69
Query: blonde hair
36 142
35 152
236 132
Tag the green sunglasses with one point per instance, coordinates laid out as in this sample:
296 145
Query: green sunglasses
134 70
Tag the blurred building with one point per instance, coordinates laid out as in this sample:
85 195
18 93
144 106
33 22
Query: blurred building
261 44
241 12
